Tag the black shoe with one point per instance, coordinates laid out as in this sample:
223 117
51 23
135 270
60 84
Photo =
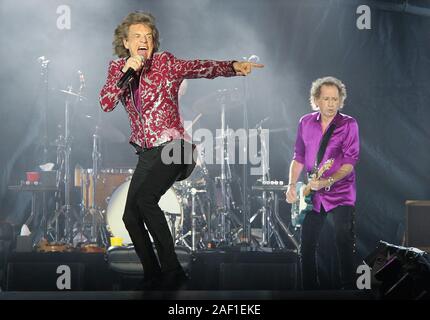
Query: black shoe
153 283
176 280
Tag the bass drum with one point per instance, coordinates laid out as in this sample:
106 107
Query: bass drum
168 203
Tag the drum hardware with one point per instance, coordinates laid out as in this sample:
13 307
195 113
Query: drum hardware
84 226
180 241
224 229
193 218
268 226
172 223
198 209
44 72
64 150
223 232
270 209
93 211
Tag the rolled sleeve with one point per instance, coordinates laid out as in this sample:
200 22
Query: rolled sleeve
351 144
299 147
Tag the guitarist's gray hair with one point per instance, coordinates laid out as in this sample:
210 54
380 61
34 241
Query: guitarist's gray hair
328 81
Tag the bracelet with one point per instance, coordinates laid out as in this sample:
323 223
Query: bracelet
330 181
291 184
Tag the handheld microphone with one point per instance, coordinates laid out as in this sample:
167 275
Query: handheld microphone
127 77
254 58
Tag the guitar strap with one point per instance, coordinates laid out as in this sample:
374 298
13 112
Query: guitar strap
323 146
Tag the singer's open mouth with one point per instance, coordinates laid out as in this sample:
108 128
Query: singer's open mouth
141 50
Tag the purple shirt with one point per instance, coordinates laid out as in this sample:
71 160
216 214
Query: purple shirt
343 147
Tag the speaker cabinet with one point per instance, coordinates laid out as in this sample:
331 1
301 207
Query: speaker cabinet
418 224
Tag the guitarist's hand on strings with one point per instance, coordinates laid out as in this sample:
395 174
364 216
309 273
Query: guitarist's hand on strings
319 184
291 193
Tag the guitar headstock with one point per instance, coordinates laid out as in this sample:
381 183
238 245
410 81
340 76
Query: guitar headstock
327 165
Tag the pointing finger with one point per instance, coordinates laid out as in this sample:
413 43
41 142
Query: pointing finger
257 65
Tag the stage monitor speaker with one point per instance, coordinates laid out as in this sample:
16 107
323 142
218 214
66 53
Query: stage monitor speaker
418 224
257 276
27 276
399 272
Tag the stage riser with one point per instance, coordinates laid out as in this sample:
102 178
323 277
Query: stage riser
42 271
207 271
244 271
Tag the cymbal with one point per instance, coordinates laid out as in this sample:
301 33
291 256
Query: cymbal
104 129
71 93
212 103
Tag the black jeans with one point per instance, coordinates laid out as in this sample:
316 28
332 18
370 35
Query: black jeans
344 228
151 179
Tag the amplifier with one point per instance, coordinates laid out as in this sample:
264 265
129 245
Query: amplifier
418 224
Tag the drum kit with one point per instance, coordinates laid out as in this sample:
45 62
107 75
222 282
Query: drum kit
202 211
189 208
197 210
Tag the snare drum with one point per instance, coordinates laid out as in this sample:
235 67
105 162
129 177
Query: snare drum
169 204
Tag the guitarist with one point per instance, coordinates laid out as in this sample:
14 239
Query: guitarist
334 194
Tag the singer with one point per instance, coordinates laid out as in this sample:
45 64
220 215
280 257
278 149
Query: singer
146 81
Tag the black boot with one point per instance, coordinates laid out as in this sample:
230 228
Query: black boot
174 280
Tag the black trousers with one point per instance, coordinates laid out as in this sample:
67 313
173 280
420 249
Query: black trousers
151 179
344 228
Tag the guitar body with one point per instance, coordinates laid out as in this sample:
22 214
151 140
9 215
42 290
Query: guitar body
304 197
302 206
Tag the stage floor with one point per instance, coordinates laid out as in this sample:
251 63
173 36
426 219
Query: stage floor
196 295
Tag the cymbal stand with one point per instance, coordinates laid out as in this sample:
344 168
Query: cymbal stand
64 150
96 157
63 175
223 223
209 205
44 63
245 202
172 225
194 191
264 213
68 228
181 239
268 227
61 145
270 209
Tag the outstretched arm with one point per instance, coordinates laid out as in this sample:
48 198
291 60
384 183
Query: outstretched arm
191 69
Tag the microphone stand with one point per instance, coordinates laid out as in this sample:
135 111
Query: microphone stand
246 214
67 151
246 222
44 73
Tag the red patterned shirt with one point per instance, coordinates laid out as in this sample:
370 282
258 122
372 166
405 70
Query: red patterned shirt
155 119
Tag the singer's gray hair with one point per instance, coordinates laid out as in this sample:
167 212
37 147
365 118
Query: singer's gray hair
326 81
121 31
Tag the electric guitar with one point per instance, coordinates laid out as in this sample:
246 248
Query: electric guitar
303 204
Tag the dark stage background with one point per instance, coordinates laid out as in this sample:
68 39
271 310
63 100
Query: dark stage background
385 69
